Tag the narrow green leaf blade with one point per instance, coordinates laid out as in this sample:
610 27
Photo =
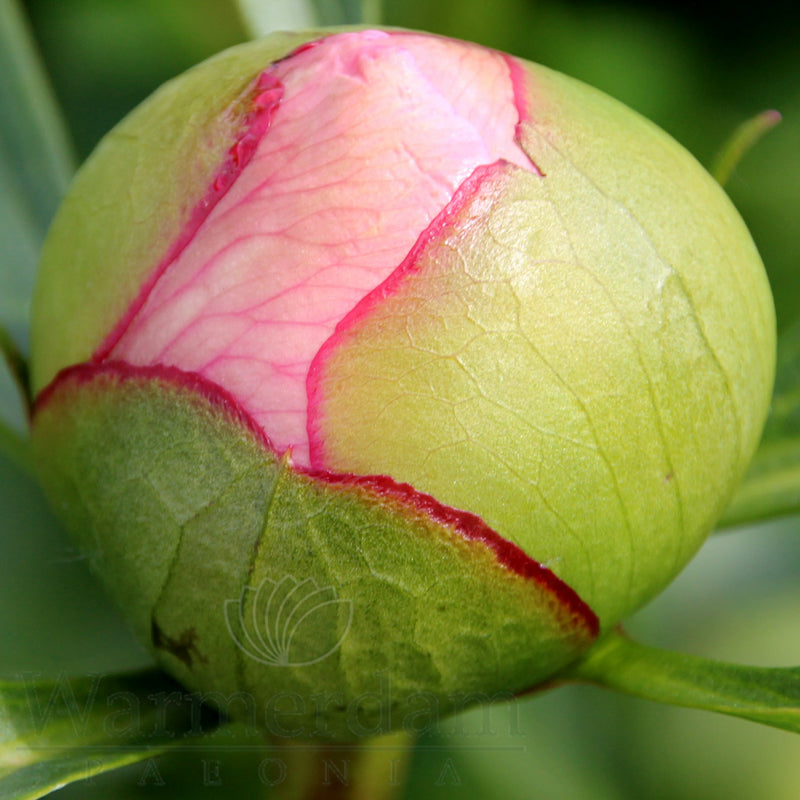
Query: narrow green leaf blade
36 165
771 486
20 238
762 694
39 779
35 141
59 731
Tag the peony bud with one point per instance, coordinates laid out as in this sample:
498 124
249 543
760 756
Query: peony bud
371 359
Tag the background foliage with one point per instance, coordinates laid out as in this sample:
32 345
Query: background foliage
697 72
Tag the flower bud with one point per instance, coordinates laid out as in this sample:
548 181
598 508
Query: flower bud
371 359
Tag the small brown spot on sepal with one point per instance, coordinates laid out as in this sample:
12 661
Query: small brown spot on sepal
183 646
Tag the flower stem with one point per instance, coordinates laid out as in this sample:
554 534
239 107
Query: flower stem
371 770
770 695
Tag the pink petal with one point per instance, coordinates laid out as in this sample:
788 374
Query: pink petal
372 137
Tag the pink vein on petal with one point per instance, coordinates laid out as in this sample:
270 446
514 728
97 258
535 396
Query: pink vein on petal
266 93
373 136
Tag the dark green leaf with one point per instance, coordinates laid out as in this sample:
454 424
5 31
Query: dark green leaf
761 694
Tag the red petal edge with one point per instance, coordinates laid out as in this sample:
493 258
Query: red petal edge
468 192
473 528
517 75
261 101
468 525
216 396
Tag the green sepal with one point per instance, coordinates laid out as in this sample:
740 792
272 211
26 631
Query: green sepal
541 362
190 519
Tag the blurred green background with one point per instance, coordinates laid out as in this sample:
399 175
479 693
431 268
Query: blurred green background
697 71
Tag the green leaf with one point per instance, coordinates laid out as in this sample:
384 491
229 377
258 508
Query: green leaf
59 731
771 486
762 694
36 165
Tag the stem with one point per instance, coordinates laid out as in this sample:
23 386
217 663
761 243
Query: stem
741 140
383 766
371 770
762 694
